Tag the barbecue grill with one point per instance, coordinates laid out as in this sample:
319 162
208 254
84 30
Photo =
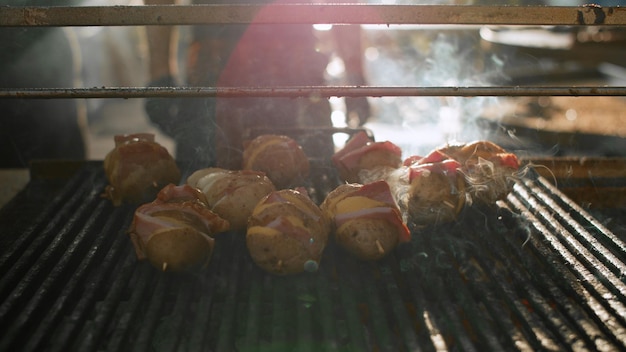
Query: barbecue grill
540 270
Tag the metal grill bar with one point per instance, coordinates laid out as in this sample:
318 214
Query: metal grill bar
311 13
579 318
30 286
565 254
74 257
33 235
306 91
54 237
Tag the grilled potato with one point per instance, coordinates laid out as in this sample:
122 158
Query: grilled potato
232 194
366 220
279 157
179 249
435 196
137 168
175 231
287 233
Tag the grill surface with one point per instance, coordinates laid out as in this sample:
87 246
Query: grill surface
537 272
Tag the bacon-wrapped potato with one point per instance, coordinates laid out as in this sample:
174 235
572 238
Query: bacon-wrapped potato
435 188
450 177
287 233
436 192
137 169
280 157
362 153
232 194
365 219
487 168
174 232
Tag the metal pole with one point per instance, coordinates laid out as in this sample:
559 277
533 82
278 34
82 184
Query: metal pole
304 91
310 13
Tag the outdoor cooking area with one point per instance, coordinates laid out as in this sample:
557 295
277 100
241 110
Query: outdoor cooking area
489 214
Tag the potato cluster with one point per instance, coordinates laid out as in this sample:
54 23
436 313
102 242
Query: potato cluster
285 231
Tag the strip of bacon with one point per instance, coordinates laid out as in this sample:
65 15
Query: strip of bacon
351 159
389 214
173 193
447 167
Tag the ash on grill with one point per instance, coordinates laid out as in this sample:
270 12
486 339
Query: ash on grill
537 272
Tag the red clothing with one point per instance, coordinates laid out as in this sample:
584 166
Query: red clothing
266 56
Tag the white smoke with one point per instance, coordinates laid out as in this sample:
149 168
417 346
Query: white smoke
431 57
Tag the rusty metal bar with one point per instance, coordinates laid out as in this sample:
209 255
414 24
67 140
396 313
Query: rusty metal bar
310 13
304 91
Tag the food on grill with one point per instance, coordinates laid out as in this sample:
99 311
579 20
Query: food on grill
362 153
436 192
287 233
366 219
232 194
172 193
488 169
280 157
174 232
442 182
137 168
435 188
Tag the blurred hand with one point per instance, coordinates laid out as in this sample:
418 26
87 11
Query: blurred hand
163 112
357 111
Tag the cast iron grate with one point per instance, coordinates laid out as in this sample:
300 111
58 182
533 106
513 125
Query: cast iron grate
535 273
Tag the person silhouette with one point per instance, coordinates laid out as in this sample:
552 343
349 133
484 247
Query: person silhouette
210 131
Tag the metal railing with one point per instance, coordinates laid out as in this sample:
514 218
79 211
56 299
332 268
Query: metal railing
463 15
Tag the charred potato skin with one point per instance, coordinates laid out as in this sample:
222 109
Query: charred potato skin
435 198
486 179
287 249
486 184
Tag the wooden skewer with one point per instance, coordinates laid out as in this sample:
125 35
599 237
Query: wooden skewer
381 250
448 204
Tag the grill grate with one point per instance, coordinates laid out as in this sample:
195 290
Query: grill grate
536 273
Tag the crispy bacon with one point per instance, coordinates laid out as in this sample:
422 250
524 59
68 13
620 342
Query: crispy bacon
173 193
377 190
446 167
362 153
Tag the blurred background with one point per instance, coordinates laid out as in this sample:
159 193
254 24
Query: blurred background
413 56
421 56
